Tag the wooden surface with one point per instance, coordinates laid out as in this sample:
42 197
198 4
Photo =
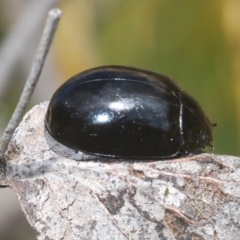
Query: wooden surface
69 195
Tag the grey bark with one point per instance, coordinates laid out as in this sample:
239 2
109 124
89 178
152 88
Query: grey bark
70 195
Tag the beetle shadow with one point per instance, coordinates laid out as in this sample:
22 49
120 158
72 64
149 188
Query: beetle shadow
73 154
33 169
76 155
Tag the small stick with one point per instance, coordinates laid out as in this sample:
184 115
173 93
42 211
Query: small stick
14 45
43 48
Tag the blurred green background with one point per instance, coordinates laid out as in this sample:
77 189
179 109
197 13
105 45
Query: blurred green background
197 43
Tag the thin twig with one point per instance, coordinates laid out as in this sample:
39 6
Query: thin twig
44 45
16 42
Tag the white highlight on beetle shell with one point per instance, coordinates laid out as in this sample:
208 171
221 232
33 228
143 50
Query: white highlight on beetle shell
117 106
102 118
123 104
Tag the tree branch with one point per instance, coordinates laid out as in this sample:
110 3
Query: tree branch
14 46
43 48
71 195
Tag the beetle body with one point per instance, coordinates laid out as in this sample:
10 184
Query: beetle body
128 113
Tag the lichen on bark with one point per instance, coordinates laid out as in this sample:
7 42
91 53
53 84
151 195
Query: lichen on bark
69 195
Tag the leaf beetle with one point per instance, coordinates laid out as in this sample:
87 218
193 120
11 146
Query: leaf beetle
127 113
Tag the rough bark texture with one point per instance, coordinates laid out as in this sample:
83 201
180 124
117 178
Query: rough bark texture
69 195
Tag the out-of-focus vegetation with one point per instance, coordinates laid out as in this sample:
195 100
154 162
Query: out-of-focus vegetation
185 40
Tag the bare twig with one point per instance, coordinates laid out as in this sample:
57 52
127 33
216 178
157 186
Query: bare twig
13 47
48 33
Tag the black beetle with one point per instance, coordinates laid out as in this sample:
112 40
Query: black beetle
129 113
